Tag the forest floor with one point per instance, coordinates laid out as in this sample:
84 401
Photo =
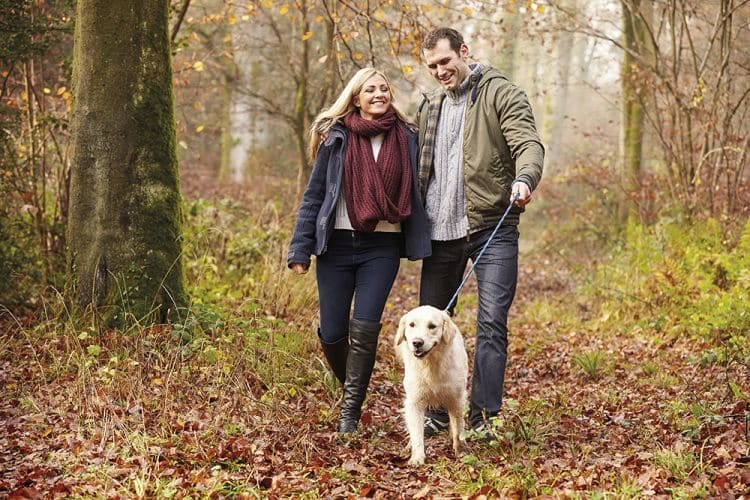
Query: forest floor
589 414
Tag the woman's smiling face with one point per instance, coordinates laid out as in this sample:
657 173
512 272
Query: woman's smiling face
374 99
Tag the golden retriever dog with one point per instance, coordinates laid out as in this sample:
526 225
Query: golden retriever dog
435 372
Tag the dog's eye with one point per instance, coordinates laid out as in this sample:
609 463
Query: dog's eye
431 326
411 325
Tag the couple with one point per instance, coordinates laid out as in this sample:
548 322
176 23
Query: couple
379 191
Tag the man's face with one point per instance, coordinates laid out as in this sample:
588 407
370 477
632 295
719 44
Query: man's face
446 66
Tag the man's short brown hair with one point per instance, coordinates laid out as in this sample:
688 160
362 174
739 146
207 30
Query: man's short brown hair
455 39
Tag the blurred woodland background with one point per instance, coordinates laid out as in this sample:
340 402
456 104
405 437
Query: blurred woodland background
641 216
645 103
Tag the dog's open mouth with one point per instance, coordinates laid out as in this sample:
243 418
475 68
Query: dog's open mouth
419 353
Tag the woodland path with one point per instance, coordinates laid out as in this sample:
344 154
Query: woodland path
654 420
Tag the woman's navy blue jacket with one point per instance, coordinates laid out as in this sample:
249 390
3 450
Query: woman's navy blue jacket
317 212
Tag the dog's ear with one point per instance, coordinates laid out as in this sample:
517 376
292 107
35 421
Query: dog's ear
450 329
401 332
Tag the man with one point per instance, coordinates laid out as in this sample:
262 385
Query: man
479 148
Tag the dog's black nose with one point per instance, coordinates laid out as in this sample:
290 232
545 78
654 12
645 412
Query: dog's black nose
417 343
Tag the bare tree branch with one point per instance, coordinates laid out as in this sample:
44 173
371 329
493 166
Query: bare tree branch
180 18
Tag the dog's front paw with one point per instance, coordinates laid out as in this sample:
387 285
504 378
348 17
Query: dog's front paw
417 459
459 445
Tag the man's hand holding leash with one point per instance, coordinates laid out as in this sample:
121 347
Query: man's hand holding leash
521 189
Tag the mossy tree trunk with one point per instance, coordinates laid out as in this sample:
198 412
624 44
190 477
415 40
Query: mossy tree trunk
124 225
635 14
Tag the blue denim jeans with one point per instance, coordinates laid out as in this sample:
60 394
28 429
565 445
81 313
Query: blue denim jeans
496 274
359 267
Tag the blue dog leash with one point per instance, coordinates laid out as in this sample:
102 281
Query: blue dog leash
474 262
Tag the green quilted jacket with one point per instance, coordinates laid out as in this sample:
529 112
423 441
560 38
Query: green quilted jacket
501 146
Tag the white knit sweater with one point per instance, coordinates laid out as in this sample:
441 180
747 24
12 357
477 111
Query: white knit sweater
445 192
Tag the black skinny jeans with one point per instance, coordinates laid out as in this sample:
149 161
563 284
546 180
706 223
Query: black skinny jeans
359 267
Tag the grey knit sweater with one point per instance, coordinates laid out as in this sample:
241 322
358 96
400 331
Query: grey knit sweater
445 192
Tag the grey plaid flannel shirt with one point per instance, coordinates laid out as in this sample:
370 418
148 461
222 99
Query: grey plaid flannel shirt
427 153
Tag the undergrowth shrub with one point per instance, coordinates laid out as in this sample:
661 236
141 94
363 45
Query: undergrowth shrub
679 279
20 268
660 275
237 258
237 336
246 304
154 381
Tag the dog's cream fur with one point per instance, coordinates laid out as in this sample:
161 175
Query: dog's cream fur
435 372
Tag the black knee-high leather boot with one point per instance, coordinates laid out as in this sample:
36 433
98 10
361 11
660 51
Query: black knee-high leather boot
336 355
363 345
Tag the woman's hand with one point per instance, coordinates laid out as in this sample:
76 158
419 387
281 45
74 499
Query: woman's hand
300 268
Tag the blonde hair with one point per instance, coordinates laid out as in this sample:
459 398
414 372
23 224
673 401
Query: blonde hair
344 105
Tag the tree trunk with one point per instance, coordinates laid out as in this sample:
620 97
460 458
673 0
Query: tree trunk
557 96
229 72
124 225
507 51
241 124
527 60
300 113
633 115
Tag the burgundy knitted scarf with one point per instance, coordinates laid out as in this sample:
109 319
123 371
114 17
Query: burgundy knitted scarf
376 190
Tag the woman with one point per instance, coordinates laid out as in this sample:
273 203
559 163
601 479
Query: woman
360 213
